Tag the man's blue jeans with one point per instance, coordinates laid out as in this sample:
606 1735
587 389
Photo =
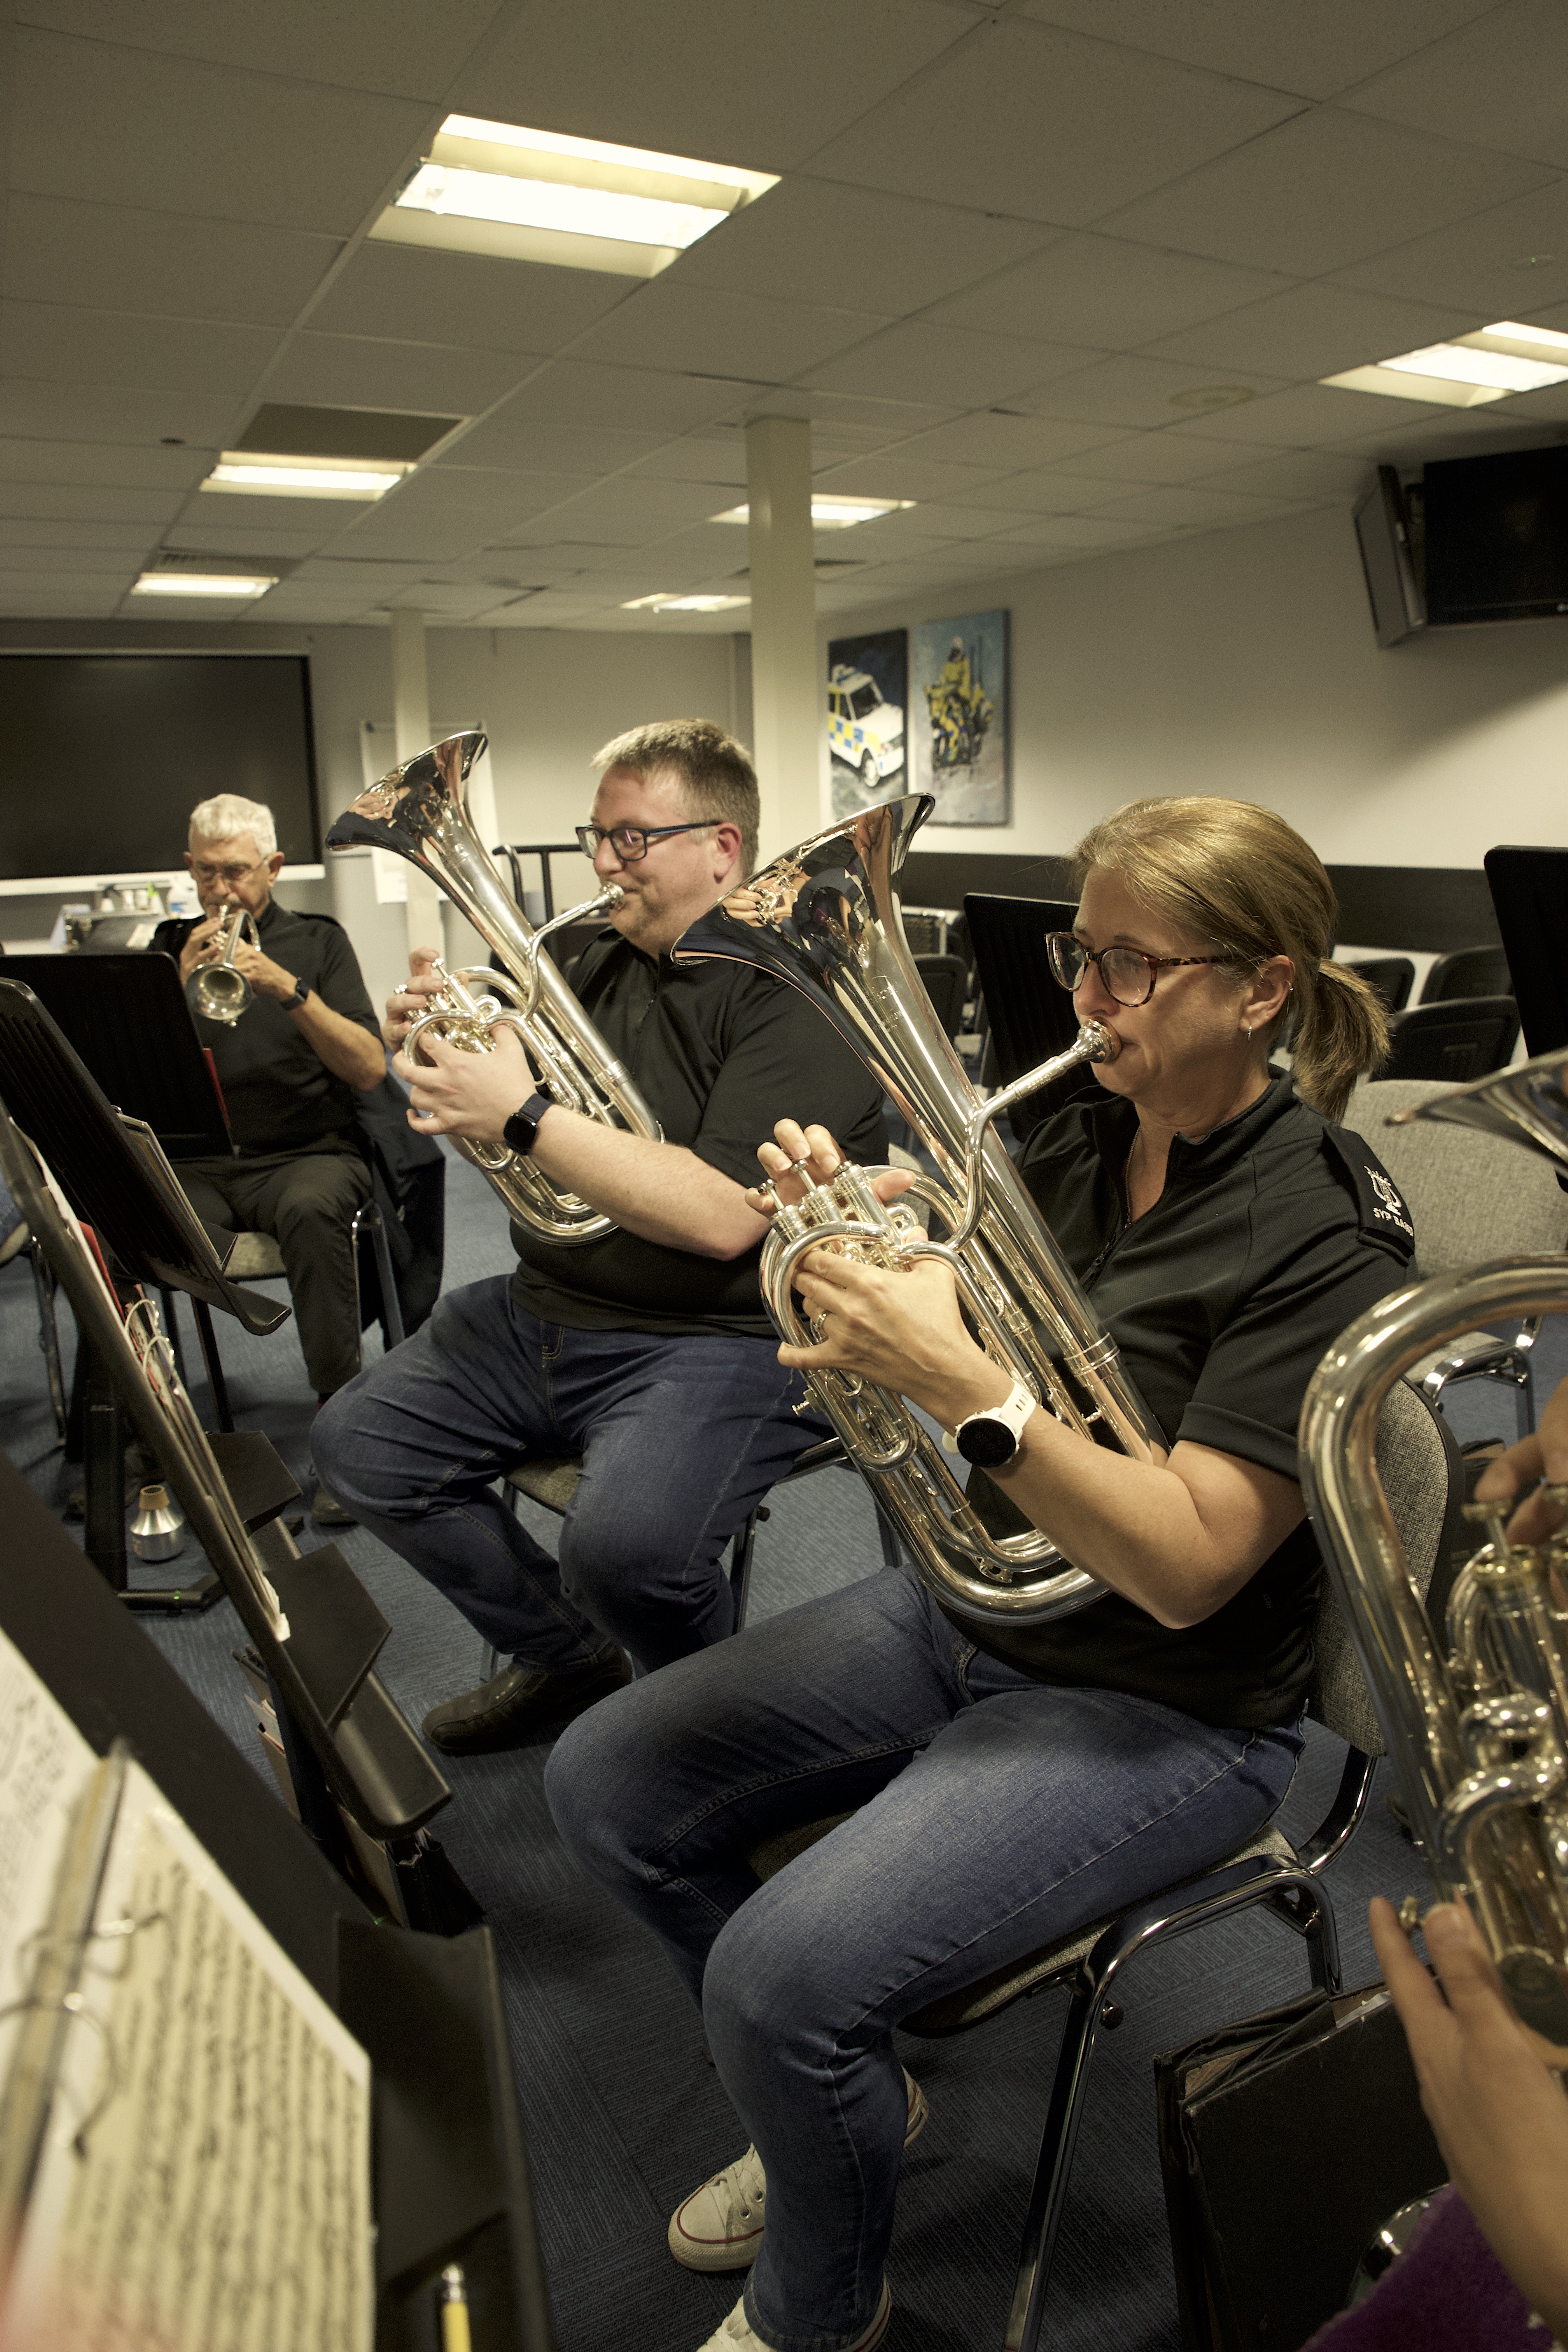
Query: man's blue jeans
996 1814
680 1437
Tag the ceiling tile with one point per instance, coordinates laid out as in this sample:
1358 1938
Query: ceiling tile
1504 264
211 510
936 518
203 537
1316 330
735 81
1550 406
1452 433
1080 530
522 442
351 371
90 412
67 345
110 538
1316 47
1026 120
1187 505
962 367
1322 192
1105 293
1045 490
1128 389
812 240
128 259
718 332
1163 456
906 478
86 462
852 423
721 463
65 562
623 399
65 500
1002 438
417 540
639 497
1497 83
22 592
124 126
464 298
1310 416
1296 473
403 47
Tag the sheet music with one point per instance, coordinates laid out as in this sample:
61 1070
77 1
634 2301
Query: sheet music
45 1764
204 2185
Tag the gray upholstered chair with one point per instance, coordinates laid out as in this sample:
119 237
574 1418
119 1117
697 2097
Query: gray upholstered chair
1419 1466
1471 1197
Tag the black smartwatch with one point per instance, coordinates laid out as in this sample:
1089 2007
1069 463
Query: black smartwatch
522 1130
292 1003
991 1439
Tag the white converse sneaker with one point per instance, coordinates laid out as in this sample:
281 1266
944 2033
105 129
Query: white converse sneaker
720 2226
736 2333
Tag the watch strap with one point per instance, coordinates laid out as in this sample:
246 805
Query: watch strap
522 1130
1013 1413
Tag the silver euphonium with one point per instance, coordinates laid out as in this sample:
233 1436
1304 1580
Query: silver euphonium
419 812
828 923
1476 1723
218 991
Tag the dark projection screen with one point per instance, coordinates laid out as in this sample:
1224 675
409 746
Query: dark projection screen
103 756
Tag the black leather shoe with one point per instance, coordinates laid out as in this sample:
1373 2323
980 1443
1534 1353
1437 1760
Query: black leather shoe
512 1706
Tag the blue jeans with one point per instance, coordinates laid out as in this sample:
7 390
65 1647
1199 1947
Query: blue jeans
996 1814
680 1438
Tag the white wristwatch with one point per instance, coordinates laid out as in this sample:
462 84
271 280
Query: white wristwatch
991 1439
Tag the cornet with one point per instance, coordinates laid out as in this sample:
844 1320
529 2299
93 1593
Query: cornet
218 991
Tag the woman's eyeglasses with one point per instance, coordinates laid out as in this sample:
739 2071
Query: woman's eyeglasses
1125 973
630 842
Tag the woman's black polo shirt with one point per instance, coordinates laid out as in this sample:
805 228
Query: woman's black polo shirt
720 1052
1269 1239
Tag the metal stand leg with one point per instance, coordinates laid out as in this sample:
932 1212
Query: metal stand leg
891 1553
48 1335
741 1564
369 1220
104 1459
172 1332
213 1363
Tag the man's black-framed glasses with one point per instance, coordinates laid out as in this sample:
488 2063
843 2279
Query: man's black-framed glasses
1125 973
630 842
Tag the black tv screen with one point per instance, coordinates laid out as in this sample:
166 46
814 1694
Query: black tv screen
103 756
1497 537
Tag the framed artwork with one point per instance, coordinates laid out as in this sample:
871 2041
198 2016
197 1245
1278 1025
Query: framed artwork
868 687
958 720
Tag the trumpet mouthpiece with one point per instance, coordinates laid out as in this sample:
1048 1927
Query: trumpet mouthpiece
614 897
1102 1045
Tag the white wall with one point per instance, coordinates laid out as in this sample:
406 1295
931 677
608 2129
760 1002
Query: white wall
1245 663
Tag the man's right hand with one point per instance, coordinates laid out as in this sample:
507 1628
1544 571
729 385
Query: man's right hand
1544 1456
405 1006
197 951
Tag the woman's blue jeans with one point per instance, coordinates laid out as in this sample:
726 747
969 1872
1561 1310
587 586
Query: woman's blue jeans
996 1814
680 1437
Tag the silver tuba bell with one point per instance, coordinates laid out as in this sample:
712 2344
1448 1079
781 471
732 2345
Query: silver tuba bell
419 812
1477 1722
828 922
218 991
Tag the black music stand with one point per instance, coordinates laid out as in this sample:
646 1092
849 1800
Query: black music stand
450 2173
1031 1017
1530 892
130 1021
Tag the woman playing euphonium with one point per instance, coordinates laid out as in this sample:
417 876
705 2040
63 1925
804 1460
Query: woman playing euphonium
1014 1783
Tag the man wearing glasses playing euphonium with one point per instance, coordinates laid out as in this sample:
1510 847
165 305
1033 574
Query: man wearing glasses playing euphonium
648 1350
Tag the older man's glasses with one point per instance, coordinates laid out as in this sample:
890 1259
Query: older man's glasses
630 842
1125 973
231 876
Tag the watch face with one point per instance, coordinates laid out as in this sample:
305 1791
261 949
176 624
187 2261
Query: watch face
519 1132
986 1442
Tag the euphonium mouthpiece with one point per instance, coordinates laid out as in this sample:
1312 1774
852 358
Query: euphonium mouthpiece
1098 1043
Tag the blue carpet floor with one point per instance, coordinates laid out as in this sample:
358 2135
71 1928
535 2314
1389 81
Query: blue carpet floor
623 2112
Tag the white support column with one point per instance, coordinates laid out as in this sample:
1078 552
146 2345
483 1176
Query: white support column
411 722
787 703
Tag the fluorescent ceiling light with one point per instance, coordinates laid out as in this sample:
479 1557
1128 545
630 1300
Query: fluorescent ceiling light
832 514
205 583
538 195
662 603
1469 371
254 476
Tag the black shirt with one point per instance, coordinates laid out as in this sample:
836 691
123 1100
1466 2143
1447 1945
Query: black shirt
277 1091
1267 1240
720 1052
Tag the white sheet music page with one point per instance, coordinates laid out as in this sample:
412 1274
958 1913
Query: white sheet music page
205 2181
45 1765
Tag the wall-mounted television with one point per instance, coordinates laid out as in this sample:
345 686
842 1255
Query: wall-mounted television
1468 540
103 756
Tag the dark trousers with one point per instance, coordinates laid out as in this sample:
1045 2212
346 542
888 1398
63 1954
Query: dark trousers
306 1199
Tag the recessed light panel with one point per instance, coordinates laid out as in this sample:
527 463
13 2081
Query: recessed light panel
254 474
232 584
1469 371
673 603
537 196
831 514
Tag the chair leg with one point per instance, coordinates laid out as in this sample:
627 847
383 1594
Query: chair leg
369 1220
1048 2193
213 1362
892 1553
746 1544
48 1335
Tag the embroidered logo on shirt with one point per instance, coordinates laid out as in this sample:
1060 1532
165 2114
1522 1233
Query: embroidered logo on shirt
1383 1188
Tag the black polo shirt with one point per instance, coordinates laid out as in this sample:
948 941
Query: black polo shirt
279 1093
719 1053
1270 1237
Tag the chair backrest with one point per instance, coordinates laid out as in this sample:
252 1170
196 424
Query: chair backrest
1530 889
1456 1041
1470 1196
946 979
1468 971
1392 976
1424 1479
1031 1017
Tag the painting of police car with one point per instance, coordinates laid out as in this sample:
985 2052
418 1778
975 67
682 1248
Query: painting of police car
867 685
958 725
